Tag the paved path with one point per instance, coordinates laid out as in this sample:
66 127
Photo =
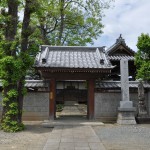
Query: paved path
73 138
73 114
70 111
72 108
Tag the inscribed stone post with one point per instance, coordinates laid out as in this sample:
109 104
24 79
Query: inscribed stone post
126 109
124 81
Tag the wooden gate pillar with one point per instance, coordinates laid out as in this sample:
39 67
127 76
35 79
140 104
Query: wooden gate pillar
91 85
52 96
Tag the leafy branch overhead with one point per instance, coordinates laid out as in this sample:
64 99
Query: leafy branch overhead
71 22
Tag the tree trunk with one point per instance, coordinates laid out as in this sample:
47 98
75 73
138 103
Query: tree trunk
44 35
24 46
61 22
25 26
11 27
10 33
20 98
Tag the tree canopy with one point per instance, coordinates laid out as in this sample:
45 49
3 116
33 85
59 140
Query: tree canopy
71 22
142 58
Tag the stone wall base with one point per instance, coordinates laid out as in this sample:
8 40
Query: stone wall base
145 120
106 119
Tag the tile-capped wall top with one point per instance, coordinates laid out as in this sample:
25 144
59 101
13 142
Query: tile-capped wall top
117 84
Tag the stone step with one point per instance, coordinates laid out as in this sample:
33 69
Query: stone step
64 122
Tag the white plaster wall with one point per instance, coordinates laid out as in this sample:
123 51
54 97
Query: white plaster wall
106 104
148 101
35 107
0 104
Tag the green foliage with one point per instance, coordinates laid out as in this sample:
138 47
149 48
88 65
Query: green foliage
24 91
59 107
11 126
76 22
10 123
142 58
12 93
15 62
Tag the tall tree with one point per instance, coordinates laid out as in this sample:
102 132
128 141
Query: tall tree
15 60
142 58
71 22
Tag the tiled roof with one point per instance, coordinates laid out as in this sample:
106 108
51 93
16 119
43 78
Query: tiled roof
119 41
117 84
120 57
72 57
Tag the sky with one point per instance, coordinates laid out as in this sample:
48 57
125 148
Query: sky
127 17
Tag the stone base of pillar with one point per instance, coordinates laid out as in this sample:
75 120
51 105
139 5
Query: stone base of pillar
126 116
126 113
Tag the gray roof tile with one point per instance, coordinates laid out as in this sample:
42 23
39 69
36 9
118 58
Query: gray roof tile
120 57
72 57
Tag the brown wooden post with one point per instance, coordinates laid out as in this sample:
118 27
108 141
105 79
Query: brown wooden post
52 96
91 85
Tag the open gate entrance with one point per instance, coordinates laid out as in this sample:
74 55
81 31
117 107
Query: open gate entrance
71 99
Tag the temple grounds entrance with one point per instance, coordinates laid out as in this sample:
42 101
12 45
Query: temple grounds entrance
57 63
71 99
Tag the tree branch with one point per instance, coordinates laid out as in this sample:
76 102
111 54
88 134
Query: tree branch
72 1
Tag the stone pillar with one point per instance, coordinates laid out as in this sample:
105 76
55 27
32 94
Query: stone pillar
142 116
142 111
126 109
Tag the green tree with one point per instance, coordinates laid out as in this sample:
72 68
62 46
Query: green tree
15 59
71 22
142 58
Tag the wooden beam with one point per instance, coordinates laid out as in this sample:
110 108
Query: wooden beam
52 96
72 76
91 85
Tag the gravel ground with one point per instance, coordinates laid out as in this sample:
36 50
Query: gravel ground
116 137
33 137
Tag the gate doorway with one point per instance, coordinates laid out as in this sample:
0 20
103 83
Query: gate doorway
71 99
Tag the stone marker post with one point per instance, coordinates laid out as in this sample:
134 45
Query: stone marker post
126 109
142 116
142 112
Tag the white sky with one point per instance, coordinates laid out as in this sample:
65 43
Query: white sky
129 18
